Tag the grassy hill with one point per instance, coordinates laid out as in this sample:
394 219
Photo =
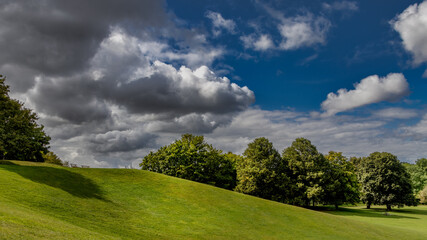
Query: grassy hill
42 201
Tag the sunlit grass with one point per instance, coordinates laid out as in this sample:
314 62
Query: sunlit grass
42 201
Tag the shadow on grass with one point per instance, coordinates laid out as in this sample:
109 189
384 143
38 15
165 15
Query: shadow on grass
371 213
61 178
410 211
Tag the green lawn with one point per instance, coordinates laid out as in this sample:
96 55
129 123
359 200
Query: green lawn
413 219
41 201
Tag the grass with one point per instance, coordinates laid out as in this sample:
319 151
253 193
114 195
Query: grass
413 219
42 201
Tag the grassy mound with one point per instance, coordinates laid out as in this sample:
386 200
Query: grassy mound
42 201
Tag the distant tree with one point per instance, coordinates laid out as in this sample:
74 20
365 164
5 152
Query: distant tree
307 170
21 138
341 185
418 173
262 172
51 157
385 181
423 195
193 159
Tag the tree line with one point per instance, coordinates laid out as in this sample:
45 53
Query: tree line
300 175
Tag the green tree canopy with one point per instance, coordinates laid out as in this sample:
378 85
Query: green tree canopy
193 159
342 184
385 181
21 138
418 173
262 172
423 195
307 170
51 157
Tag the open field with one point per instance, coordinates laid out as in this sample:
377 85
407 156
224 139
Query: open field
42 201
412 219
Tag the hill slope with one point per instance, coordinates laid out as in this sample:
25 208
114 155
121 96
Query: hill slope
41 201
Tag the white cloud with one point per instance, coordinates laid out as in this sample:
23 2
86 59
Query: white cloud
120 43
411 24
115 111
132 79
303 31
262 43
372 89
396 113
220 23
341 6
417 131
354 136
300 31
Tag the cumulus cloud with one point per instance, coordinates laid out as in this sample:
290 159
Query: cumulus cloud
372 89
303 31
124 98
109 79
262 43
220 23
341 6
59 37
120 141
300 31
156 87
411 24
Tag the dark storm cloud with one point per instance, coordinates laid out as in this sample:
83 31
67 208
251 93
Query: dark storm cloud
60 36
108 77
72 99
159 94
120 141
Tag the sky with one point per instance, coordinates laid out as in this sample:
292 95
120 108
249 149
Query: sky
113 80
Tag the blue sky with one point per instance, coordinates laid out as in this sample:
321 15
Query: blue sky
360 42
111 82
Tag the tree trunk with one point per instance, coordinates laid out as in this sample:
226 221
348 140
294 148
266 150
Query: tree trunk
368 205
388 207
336 206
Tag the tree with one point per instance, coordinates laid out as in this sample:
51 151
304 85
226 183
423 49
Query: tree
342 185
262 172
385 181
21 138
418 173
193 159
51 157
423 195
307 170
